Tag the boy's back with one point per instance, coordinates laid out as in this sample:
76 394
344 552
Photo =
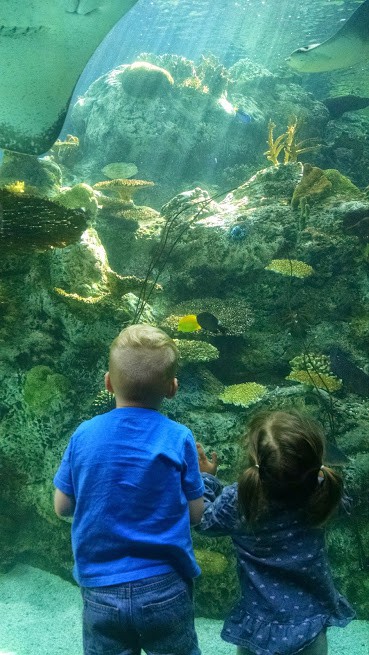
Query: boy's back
131 480
132 472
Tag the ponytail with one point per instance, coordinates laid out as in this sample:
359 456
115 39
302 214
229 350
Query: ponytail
251 497
325 499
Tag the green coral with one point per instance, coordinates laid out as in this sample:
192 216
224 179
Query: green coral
44 390
317 380
290 267
211 562
80 196
317 184
244 394
312 362
193 352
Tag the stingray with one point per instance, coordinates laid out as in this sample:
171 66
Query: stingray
44 47
349 46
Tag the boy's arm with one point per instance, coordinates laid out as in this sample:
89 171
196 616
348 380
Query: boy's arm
64 505
196 508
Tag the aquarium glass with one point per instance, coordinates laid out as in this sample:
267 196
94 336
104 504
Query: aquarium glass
192 165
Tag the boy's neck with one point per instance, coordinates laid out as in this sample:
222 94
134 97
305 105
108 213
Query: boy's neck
130 403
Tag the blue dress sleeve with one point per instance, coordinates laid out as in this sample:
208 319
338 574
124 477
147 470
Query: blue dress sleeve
221 516
192 483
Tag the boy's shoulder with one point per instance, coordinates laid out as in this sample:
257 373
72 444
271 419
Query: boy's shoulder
176 425
94 422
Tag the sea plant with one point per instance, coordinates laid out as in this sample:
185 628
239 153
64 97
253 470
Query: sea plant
286 143
275 145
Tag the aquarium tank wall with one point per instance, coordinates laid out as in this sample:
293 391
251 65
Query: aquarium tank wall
177 163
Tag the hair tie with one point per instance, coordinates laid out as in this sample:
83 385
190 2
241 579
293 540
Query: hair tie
257 466
322 467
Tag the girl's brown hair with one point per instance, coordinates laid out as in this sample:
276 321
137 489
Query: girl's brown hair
286 451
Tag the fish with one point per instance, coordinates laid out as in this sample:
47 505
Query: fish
341 104
44 47
188 323
351 375
243 116
347 47
233 110
208 321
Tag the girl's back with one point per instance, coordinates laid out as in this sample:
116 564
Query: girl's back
287 593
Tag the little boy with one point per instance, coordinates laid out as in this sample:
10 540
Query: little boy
131 480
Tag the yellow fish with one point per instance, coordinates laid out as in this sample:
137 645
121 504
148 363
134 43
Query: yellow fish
188 324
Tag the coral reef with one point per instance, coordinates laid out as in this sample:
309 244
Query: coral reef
290 267
192 352
42 175
123 189
183 121
144 80
244 395
279 263
46 391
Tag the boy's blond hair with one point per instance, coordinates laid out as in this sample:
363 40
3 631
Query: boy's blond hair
143 361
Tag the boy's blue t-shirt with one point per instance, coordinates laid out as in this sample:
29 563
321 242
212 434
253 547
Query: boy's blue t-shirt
132 472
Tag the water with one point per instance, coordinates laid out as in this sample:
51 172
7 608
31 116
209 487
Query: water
275 268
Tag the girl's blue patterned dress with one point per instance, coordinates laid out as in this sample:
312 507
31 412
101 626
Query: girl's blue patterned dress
287 592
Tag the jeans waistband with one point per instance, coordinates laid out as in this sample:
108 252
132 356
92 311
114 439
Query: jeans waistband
154 583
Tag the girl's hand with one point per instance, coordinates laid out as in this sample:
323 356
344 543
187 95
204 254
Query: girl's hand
206 465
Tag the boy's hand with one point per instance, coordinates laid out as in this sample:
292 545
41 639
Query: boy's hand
206 465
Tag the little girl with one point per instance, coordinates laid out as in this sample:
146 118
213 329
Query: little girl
275 515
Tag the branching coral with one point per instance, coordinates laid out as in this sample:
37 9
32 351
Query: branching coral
286 143
312 362
244 394
315 371
290 267
315 379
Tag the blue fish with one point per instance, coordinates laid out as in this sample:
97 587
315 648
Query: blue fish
242 116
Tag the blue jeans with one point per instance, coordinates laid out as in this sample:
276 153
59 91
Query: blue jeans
154 614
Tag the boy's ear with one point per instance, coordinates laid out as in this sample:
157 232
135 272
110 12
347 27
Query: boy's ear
108 385
173 388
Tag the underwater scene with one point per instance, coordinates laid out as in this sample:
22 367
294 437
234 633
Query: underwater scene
196 166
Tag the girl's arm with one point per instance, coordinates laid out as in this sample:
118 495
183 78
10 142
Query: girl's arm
221 511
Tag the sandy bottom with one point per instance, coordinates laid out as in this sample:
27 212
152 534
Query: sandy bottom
40 614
